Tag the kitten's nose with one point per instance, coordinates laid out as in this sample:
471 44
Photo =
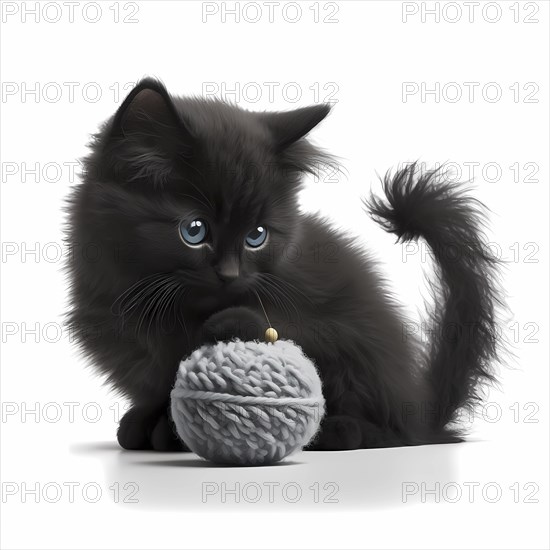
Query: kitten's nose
228 270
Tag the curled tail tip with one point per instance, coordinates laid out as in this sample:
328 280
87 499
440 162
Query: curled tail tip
416 201
395 211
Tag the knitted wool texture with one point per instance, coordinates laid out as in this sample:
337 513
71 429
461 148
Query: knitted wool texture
247 403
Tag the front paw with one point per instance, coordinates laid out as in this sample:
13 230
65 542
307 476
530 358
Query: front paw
142 429
134 428
234 322
164 437
338 433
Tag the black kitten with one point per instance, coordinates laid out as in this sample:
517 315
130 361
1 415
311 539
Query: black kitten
187 215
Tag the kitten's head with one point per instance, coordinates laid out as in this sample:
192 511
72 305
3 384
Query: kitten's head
199 189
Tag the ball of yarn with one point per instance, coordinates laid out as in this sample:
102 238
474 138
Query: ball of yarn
247 403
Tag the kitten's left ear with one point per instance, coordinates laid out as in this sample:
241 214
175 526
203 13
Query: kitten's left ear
288 127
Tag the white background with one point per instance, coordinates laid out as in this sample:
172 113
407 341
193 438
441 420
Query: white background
362 53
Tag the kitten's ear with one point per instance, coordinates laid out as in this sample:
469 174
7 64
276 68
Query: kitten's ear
147 137
290 126
148 107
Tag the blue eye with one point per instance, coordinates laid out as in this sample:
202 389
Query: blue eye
256 237
195 232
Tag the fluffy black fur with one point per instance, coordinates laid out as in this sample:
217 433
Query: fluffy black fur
142 299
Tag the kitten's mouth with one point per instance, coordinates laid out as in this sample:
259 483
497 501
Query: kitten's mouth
221 295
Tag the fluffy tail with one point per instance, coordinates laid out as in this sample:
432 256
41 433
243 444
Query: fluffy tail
463 347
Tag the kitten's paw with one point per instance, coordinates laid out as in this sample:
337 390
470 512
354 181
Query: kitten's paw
143 429
133 431
338 433
234 322
165 438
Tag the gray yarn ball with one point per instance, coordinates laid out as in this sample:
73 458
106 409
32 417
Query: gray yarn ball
247 403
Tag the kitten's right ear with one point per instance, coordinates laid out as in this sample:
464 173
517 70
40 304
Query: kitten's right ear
147 137
148 106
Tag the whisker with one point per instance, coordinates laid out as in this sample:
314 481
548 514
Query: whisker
274 293
158 301
181 318
290 286
125 294
208 207
165 308
149 308
134 300
285 297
